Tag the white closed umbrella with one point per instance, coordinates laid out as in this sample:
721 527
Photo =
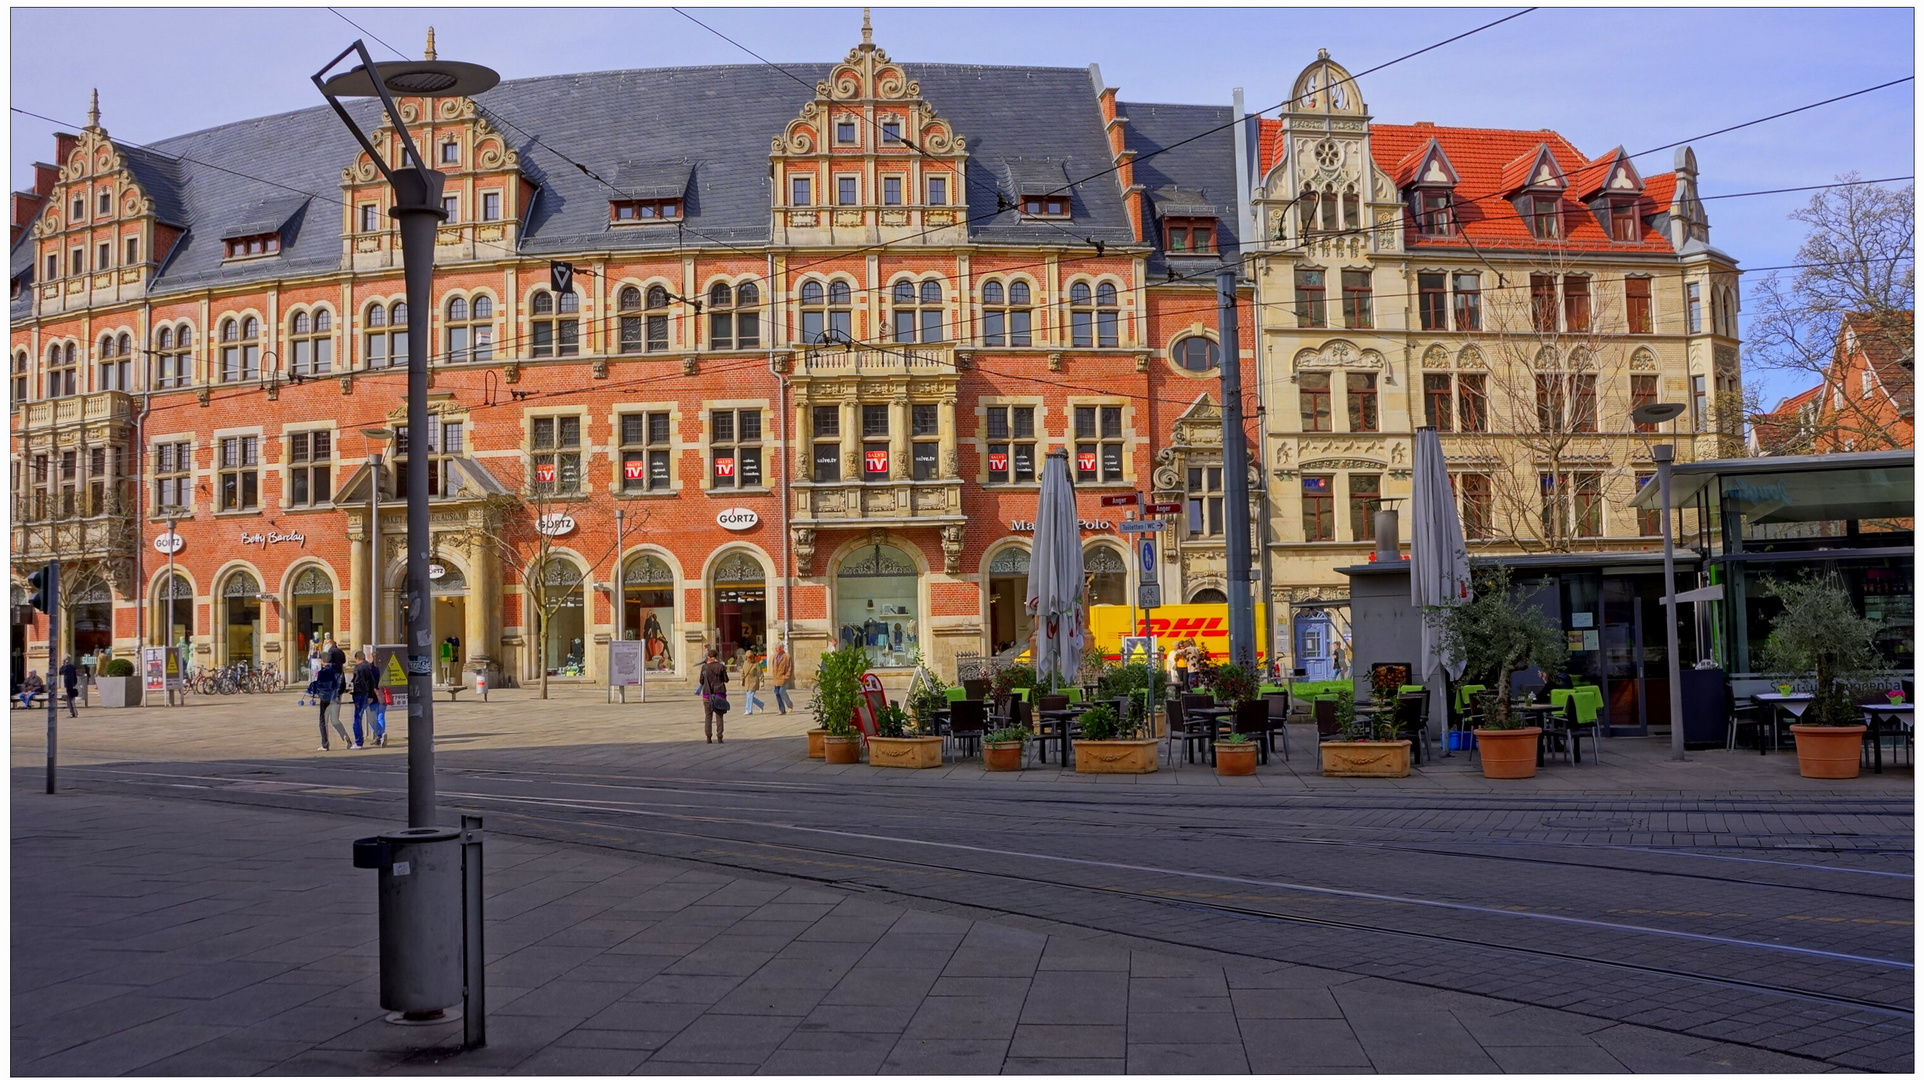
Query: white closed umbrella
1055 595
1439 561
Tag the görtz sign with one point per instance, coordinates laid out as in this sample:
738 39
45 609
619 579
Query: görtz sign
738 519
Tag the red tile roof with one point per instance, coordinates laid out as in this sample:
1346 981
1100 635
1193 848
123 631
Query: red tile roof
1888 343
1480 156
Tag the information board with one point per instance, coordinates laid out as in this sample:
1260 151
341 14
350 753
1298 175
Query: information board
160 668
393 677
625 662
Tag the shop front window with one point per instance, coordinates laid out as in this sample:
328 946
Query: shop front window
174 612
1107 575
241 603
648 589
877 591
1009 621
741 607
313 611
448 615
564 628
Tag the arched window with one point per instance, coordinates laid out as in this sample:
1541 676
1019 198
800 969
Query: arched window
657 319
918 311
311 342
649 614
240 350
1092 315
1106 575
63 376
1195 353
628 320
19 385
556 325
173 356
116 365
387 335
825 312
1005 315
559 602
733 321
470 329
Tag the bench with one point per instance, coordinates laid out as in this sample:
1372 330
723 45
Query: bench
453 690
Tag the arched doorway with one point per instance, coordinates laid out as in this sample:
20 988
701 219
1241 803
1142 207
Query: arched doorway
313 601
564 630
741 606
241 606
1106 574
1209 596
92 610
878 606
648 614
1009 620
448 597
173 612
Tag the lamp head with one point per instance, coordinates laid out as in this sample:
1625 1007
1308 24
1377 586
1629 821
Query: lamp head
413 78
378 434
1657 412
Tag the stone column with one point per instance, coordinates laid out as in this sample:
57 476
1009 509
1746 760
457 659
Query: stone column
359 606
484 608
899 435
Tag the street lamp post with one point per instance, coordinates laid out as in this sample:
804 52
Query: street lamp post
1664 454
431 954
173 545
371 598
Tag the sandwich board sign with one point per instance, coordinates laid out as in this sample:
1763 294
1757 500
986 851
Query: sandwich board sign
870 706
393 677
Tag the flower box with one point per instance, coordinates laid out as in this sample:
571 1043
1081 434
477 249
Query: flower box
815 742
1364 758
912 752
1116 755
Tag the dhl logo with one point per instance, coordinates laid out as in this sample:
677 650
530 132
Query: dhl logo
1196 628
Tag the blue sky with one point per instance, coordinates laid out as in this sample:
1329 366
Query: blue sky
1640 77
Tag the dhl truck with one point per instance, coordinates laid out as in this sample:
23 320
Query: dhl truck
1169 625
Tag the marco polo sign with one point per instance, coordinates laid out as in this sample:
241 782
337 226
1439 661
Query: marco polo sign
1087 526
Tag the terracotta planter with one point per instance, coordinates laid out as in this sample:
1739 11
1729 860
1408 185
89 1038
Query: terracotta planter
1116 755
1828 753
1387 759
913 752
1236 759
841 749
815 742
1003 756
1508 755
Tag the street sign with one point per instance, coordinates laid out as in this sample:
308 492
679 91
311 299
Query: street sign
1130 499
1148 596
1139 526
1146 554
1163 508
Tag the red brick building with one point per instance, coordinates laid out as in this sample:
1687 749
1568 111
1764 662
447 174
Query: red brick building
818 340
1867 400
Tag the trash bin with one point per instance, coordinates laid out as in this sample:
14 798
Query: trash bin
421 918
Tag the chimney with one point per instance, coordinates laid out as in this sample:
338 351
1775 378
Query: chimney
1386 538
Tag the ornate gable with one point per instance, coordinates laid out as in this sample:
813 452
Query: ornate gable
869 161
1427 167
100 199
1535 171
1326 195
1610 175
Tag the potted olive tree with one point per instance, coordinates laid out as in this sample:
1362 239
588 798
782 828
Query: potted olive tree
838 687
119 687
1497 635
1113 744
1820 631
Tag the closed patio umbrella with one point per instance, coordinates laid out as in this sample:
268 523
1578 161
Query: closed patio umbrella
1055 595
1439 562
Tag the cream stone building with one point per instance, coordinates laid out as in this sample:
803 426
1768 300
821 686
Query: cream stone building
1501 286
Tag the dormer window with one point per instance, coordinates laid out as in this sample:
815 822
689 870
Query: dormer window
1623 220
241 247
1045 206
1435 213
1542 216
1189 235
845 132
643 211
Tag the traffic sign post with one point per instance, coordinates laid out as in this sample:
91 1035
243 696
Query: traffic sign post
1139 527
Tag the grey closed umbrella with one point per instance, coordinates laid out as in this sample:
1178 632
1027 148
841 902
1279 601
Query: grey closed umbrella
1055 595
1439 561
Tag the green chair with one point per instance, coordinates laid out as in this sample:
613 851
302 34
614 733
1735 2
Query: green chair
957 693
1409 688
1020 693
1074 694
1464 692
1587 704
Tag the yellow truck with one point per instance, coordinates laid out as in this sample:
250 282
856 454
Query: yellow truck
1169 625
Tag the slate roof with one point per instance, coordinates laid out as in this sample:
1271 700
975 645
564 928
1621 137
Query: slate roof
718 120
1189 175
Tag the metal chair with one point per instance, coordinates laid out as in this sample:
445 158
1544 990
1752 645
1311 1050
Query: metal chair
1053 702
1326 726
1278 705
968 720
1187 732
1751 714
1251 720
1411 717
975 689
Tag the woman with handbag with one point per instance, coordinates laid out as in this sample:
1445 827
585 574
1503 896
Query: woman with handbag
714 696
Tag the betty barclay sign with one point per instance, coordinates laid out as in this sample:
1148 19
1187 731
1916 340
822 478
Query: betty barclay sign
554 525
738 519
1087 526
273 538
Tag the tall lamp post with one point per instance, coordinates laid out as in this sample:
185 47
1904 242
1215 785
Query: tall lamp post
430 897
174 518
1664 454
371 599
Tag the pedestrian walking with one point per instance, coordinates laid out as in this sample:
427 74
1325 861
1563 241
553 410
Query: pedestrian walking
754 676
31 687
362 687
336 659
714 696
781 673
325 690
313 670
70 684
379 702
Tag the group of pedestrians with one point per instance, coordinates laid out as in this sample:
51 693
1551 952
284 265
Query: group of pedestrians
332 681
776 672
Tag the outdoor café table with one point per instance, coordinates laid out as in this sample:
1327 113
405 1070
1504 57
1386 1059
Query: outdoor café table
1794 704
1543 713
1876 714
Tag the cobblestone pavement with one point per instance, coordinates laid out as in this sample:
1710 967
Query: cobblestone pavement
1721 898
175 936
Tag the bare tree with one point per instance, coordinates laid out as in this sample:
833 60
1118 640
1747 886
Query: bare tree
1558 374
1857 262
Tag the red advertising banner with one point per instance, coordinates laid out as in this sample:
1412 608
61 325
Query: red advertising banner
998 463
544 474
634 470
1086 462
870 706
724 466
876 461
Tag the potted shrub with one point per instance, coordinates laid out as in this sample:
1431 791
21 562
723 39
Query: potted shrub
1235 755
1142 684
1013 677
1820 631
1496 635
1109 744
1230 683
1366 747
119 687
898 744
1003 749
838 687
